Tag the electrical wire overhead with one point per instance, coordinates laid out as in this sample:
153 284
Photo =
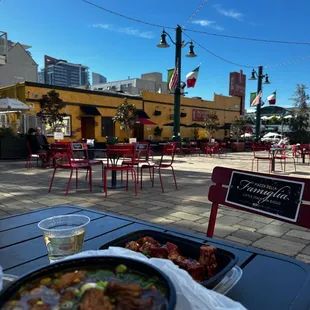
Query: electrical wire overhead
126 17
288 62
247 38
196 31
217 56
195 13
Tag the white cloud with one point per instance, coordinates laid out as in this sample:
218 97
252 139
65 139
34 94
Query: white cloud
208 23
126 30
229 12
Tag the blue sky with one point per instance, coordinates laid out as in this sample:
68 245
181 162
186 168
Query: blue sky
118 48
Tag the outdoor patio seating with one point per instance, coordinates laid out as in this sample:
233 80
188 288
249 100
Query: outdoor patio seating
218 196
261 153
165 162
63 158
115 153
41 156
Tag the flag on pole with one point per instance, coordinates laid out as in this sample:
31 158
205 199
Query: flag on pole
257 99
272 98
252 97
191 77
174 79
169 75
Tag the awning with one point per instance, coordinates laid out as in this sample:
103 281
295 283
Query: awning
196 125
89 110
9 104
226 126
144 121
141 114
172 124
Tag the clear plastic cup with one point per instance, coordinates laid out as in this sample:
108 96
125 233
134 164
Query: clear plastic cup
64 235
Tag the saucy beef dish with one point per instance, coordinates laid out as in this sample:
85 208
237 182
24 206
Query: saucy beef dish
92 289
201 269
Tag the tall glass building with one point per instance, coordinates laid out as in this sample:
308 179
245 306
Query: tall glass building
63 73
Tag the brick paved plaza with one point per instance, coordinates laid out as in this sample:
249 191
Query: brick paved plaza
186 209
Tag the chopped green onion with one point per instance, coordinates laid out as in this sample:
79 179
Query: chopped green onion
121 268
102 284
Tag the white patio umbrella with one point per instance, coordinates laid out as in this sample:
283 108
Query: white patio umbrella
9 104
288 116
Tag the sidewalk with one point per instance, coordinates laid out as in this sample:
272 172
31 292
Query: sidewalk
187 209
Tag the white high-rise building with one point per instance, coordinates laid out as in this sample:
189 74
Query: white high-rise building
135 86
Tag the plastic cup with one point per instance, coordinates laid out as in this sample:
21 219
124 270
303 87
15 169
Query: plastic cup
63 235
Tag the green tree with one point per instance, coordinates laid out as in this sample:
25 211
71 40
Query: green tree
51 105
212 124
274 120
126 116
300 123
238 127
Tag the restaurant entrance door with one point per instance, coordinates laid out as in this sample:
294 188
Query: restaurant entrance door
139 132
88 127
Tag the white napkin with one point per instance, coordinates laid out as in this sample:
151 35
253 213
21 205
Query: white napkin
190 294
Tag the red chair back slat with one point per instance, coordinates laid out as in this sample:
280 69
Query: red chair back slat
261 151
217 193
117 151
79 151
168 153
61 151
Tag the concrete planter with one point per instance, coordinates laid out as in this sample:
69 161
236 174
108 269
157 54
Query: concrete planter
237 146
13 148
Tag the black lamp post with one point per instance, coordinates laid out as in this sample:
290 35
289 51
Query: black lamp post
259 76
177 92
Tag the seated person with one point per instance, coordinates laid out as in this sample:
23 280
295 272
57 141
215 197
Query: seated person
42 139
35 146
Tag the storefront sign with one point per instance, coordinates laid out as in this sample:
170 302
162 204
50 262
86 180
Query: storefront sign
58 135
199 115
77 146
237 84
277 197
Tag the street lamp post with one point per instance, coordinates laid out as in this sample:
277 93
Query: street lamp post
259 76
177 91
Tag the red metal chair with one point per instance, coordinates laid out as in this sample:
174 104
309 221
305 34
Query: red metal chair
80 154
261 153
115 153
283 156
166 161
64 159
142 155
193 148
296 152
42 156
223 148
212 149
218 191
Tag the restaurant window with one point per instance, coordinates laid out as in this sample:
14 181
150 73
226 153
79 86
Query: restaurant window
107 127
3 120
64 126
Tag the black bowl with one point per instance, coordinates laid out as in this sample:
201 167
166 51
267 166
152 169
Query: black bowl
226 260
109 262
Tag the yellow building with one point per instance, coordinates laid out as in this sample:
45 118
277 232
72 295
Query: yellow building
90 112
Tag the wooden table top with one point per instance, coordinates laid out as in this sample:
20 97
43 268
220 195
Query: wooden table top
269 281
